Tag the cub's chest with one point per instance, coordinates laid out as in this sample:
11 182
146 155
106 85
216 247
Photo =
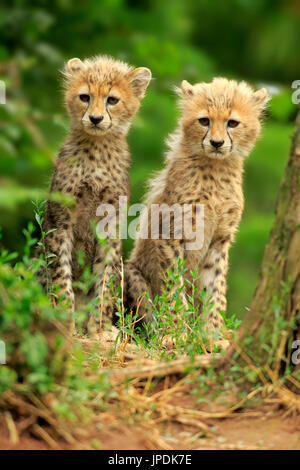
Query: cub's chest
87 202
90 187
222 197
223 187
97 182
229 201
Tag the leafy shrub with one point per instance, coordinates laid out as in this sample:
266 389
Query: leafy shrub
36 345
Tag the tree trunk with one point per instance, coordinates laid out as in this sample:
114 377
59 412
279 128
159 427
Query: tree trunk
272 323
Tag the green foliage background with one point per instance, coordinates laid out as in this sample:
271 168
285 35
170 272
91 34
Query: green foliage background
255 40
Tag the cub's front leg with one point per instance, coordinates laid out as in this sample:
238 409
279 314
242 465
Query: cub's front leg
214 270
107 268
60 243
107 264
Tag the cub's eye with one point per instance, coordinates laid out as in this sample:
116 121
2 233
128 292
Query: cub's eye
232 123
85 98
204 121
112 100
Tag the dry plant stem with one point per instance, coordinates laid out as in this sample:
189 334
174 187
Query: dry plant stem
156 441
280 353
26 423
161 369
177 410
249 362
42 433
63 330
287 397
293 381
13 400
203 346
148 385
166 383
138 318
102 299
122 298
192 422
228 446
122 350
12 430
163 394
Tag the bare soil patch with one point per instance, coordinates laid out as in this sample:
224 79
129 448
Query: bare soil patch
269 429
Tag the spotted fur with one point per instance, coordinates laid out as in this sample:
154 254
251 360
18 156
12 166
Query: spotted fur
198 172
92 166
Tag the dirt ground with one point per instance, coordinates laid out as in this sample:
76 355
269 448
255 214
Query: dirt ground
267 428
162 409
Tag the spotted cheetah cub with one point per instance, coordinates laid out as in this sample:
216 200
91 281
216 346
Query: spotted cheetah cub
102 96
204 166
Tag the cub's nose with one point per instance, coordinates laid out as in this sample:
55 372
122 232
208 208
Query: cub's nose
217 143
96 119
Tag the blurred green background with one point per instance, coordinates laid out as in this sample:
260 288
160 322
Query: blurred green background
255 40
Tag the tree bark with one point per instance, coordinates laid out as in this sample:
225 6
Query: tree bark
276 303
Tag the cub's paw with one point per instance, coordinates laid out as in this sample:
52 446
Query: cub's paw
223 344
168 342
109 336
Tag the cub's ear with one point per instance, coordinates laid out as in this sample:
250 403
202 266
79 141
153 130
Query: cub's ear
187 89
74 65
260 98
140 79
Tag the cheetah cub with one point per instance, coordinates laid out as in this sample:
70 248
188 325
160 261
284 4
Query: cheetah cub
102 96
204 166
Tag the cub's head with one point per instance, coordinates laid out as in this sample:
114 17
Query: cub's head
221 119
103 94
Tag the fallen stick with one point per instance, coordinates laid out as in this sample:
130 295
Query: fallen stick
11 399
12 430
42 433
161 369
191 422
